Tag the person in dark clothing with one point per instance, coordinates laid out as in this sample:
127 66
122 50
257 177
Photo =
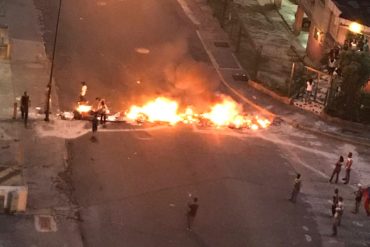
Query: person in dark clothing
25 100
336 220
192 212
358 197
296 188
337 169
335 201
94 125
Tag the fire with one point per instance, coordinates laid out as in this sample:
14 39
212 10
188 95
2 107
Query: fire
84 108
159 110
226 113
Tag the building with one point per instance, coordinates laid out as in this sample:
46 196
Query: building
329 23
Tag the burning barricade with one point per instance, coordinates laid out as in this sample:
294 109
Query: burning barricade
225 113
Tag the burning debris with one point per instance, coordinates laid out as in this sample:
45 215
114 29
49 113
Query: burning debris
225 113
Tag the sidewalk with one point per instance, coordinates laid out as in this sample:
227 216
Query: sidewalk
225 61
29 159
284 113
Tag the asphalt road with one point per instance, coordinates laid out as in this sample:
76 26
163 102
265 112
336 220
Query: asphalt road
133 188
100 44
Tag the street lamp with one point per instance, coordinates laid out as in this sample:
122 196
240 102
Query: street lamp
48 95
355 27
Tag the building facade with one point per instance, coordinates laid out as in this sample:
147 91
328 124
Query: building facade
330 23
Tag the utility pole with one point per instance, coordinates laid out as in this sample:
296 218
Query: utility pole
47 111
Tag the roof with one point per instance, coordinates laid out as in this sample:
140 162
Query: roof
355 10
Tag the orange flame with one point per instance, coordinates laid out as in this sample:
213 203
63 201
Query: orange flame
159 110
227 113
83 108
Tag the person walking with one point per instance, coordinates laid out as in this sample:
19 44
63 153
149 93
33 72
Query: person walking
335 201
296 188
94 125
348 168
25 101
192 212
358 197
337 168
83 91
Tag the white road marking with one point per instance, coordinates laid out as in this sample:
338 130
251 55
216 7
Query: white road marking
308 238
101 3
237 63
356 223
188 12
305 228
142 50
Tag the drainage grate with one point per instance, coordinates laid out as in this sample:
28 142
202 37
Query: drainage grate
45 223
222 44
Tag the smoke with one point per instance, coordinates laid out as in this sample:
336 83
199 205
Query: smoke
170 71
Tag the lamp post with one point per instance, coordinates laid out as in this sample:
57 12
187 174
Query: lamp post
47 110
355 27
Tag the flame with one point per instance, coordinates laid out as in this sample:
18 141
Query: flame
226 113
159 110
83 108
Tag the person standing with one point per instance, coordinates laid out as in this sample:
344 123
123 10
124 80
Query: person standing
335 224
103 110
83 91
331 64
25 100
335 201
309 89
337 168
296 188
192 212
94 124
348 168
367 201
358 197
340 209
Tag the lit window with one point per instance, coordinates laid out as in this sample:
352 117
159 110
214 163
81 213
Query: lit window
317 34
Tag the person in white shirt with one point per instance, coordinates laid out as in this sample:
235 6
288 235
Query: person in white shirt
348 168
331 65
309 89
83 91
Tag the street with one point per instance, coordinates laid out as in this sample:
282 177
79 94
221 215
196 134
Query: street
100 44
136 191
132 186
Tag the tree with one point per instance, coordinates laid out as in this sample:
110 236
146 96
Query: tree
355 68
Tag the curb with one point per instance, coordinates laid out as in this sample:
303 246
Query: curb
349 139
259 87
323 116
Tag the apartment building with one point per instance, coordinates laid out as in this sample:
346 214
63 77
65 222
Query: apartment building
329 22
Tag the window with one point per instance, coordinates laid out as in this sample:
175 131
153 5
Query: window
318 35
